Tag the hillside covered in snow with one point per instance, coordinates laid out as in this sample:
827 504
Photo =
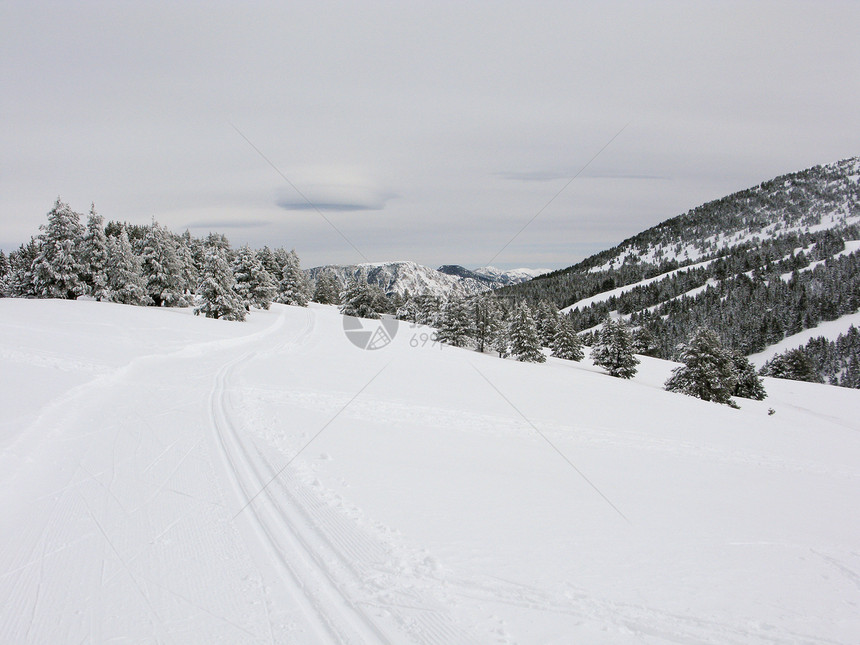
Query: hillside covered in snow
176 479
756 266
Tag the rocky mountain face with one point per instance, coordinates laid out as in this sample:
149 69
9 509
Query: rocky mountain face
446 282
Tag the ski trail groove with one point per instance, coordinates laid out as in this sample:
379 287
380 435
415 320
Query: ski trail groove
328 610
330 563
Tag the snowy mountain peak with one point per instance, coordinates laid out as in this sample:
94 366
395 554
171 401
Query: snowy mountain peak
511 276
450 280
406 276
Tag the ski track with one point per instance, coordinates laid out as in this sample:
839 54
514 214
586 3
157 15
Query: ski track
323 555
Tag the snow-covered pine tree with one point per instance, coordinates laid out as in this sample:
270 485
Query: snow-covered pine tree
162 269
381 302
429 310
644 343
407 309
851 376
359 300
294 288
455 327
613 349
708 372
524 337
5 271
546 316
270 263
59 269
254 284
749 385
216 293
95 256
125 282
794 364
487 321
281 258
21 282
566 343
189 273
219 241
327 291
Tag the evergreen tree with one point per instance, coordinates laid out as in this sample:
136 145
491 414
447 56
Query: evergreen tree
327 291
189 273
566 343
429 310
21 281
613 349
644 343
524 337
360 300
547 318
254 285
408 309
851 376
218 241
293 288
487 321
502 341
95 256
5 272
749 385
795 365
58 270
270 263
125 282
455 327
162 268
216 294
381 302
708 372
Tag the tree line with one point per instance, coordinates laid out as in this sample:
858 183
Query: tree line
149 266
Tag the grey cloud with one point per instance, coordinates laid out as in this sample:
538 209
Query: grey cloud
337 198
327 206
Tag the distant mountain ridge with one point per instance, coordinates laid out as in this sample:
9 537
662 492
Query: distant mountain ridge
448 281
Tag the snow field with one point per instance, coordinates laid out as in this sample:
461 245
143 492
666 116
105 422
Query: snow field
426 507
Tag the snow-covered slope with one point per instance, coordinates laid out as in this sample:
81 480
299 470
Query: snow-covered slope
813 200
754 266
414 494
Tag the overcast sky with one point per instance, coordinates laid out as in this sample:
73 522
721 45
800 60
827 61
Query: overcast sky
428 131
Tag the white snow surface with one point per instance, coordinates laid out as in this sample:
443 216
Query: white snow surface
415 494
